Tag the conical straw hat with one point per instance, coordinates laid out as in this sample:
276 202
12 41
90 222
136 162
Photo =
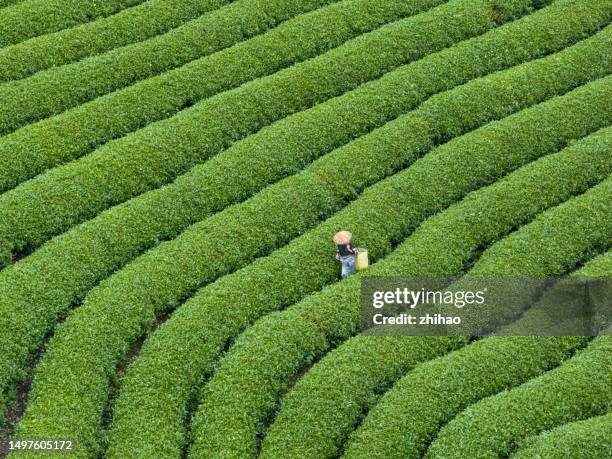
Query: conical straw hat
343 237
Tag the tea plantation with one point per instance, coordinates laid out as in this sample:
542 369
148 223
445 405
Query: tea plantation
172 173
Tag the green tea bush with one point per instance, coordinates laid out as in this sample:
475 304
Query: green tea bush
380 217
562 237
271 170
37 147
588 439
407 417
55 286
599 266
578 389
57 89
156 154
570 234
363 162
360 166
61 207
275 363
4 3
555 313
30 18
132 25
327 403
537 320
6 256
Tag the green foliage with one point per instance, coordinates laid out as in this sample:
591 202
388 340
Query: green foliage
73 381
132 25
366 155
30 221
407 417
156 154
70 270
38 97
4 3
314 194
537 320
31 18
576 390
599 266
272 353
509 10
562 237
326 404
6 256
552 245
63 137
588 439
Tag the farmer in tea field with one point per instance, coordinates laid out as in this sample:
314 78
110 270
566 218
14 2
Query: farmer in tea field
345 252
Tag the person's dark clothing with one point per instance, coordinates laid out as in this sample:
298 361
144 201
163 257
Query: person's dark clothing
343 250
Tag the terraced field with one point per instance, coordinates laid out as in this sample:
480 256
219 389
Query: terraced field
172 173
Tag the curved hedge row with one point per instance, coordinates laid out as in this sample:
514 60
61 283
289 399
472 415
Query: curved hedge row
132 25
98 238
4 3
47 143
97 336
363 162
571 232
58 288
588 439
359 170
600 266
275 363
327 402
407 417
30 18
314 419
156 154
578 389
205 323
57 89
29 222
537 319
222 405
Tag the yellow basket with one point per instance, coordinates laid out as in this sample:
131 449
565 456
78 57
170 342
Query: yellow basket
361 262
